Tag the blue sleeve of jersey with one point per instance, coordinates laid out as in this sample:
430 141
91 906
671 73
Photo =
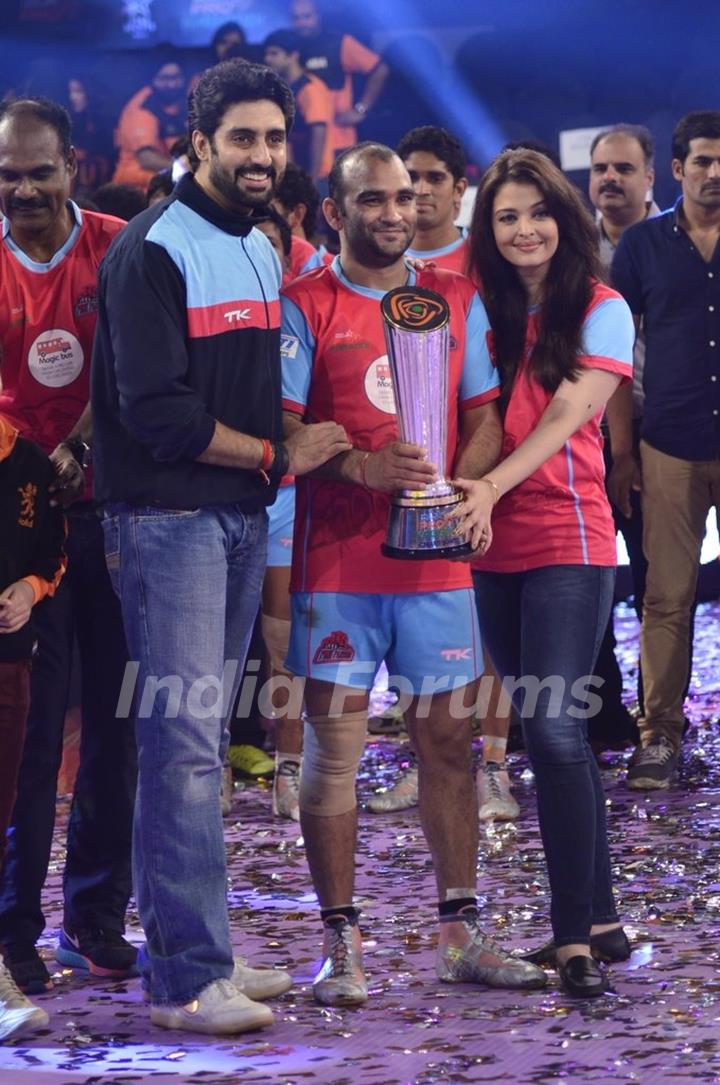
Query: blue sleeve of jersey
609 333
312 261
479 375
297 348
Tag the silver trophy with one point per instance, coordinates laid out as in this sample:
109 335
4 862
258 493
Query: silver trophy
417 333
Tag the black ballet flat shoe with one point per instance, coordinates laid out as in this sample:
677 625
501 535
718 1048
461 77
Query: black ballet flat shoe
581 977
609 947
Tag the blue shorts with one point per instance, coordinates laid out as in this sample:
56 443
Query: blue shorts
429 640
281 517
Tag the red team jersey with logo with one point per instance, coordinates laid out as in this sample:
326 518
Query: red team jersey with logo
453 257
561 514
335 368
47 323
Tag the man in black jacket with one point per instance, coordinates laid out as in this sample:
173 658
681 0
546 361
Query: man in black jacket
189 451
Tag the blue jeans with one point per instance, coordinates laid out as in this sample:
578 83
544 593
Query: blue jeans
189 584
547 624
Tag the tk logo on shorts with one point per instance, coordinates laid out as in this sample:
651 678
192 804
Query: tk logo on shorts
455 654
335 648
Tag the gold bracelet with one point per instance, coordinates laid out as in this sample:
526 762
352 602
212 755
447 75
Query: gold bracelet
494 486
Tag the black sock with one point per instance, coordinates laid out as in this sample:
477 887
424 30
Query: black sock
348 911
450 909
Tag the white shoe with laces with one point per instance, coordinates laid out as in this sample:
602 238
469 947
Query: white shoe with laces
401 796
219 1009
495 799
17 1013
257 983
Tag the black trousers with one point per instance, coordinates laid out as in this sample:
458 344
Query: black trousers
97 880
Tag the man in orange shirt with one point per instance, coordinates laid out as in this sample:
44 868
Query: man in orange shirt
335 58
149 124
310 137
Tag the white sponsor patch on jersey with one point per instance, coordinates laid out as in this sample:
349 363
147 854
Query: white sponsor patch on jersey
379 386
289 346
56 358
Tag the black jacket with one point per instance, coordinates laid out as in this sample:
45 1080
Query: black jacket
188 332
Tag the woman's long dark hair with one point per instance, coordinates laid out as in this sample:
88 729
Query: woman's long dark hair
567 288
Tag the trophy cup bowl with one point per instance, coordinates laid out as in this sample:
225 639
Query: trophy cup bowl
417 333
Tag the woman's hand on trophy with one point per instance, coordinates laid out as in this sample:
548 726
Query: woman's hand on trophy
313 445
474 513
397 466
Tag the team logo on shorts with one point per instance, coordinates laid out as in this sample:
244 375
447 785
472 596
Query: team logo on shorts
56 358
379 385
289 346
335 648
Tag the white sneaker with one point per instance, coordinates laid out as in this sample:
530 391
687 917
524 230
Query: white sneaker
341 979
257 983
17 1013
495 799
286 790
219 1009
401 796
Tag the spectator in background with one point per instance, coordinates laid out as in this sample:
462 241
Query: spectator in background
335 58
310 137
277 232
122 201
230 41
161 185
149 125
93 145
621 177
668 269
297 200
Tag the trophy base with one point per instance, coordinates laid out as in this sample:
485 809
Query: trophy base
416 531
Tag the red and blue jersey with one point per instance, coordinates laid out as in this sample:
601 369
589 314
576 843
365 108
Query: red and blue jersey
335 368
452 257
560 515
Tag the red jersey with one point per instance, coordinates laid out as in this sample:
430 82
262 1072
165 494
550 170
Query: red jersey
47 323
560 515
452 257
335 367
303 257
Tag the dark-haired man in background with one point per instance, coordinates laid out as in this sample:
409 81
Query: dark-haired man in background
149 125
297 200
436 163
49 258
668 269
186 404
310 138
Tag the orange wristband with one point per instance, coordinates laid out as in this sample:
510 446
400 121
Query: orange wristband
268 456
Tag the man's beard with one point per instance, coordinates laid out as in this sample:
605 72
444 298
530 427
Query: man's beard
227 186
368 252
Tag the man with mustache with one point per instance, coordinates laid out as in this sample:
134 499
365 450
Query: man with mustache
49 259
189 452
621 177
352 607
668 268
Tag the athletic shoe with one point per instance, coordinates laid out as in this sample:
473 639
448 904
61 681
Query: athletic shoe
226 790
652 766
389 722
341 980
286 790
495 799
250 761
480 960
17 1013
219 1009
100 952
401 796
27 968
256 983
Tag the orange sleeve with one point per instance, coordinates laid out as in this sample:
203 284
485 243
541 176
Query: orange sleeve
355 57
315 103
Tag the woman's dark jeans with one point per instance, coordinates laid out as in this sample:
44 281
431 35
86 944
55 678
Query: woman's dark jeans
544 626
